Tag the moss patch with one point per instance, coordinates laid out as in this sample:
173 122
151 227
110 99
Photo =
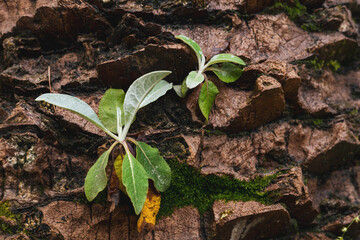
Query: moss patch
298 13
6 212
189 187
293 12
334 65
10 222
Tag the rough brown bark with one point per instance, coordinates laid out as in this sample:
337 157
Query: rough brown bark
292 112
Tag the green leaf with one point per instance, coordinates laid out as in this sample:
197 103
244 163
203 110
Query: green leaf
177 89
135 180
207 96
155 165
194 78
96 178
182 89
195 47
225 57
112 99
140 94
227 72
73 104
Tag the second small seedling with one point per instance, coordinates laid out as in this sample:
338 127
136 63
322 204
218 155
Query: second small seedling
226 67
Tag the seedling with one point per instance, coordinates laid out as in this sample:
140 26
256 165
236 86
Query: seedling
229 71
117 112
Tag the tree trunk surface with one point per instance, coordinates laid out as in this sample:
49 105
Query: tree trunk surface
292 117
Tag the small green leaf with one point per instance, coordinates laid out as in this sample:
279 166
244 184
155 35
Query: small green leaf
195 47
182 89
177 89
207 96
112 99
155 165
73 104
140 94
227 72
225 57
194 78
135 179
96 178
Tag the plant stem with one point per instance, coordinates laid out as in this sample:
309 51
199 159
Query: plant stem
347 228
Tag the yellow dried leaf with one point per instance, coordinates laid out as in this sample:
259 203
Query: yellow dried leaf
118 169
151 208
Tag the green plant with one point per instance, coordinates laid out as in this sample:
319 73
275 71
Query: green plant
345 229
227 72
117 112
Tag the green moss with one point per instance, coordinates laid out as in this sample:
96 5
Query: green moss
5 229
354 112
318 64
298 13
334 65
189 187
317 122
9 215
293 12
6 212
310 27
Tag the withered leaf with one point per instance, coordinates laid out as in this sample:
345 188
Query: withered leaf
151 208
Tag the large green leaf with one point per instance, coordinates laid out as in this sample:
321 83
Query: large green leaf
227 72
155 165
137 93
73 104
135 179
195 47
194 78
207 97
112 99
96 178
225 57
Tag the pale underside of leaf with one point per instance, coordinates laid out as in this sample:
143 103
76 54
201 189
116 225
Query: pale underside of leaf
159 90
177 89
137 93
73 104
194 79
